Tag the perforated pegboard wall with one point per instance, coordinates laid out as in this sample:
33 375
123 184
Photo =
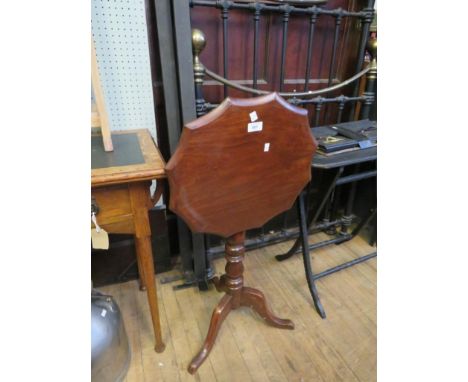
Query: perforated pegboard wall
120 37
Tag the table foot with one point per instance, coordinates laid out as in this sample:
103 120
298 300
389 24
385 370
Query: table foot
159 348
142 285
219 314
291 252
255 299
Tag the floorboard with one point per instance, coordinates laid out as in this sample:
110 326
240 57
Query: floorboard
340 348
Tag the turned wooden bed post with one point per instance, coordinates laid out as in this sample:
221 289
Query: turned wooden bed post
234 169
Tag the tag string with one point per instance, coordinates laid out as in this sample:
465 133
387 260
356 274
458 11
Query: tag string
93 218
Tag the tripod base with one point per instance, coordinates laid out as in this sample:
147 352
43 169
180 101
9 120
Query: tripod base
251 297
236 295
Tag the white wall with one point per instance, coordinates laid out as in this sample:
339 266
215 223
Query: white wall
120 36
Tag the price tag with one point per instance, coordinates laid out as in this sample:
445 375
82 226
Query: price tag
99 239
254 126
253 116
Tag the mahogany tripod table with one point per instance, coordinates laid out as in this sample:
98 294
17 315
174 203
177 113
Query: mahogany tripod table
234 169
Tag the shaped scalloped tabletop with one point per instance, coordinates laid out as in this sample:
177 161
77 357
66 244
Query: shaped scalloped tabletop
240 165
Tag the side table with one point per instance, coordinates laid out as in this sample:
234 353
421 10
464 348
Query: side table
334 166
120 193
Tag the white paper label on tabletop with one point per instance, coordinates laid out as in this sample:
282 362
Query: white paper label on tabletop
253 116
254 126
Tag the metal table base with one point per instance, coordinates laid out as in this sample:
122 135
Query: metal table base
302 242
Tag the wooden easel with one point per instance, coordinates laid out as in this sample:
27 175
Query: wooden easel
99 117
234 169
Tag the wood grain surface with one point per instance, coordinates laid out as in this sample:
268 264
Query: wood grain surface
225 180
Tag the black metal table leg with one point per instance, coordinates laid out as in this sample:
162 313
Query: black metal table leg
348 264
373 239
336 198
305 254
363 222
315 217
297 243
303 236
305 225
347 217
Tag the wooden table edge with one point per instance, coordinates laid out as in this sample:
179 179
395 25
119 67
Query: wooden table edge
128 178
132 175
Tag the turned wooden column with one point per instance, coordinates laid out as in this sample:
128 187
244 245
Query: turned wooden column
234 276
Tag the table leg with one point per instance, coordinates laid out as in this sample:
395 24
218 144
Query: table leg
141 276
306 255
219 314
143 247
200 261
140 201
323 200
347 217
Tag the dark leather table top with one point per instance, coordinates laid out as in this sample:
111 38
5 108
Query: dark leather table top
346 158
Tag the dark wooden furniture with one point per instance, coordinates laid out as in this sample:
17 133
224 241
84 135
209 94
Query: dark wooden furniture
228 176
120 192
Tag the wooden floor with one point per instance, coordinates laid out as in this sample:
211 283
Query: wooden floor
340 348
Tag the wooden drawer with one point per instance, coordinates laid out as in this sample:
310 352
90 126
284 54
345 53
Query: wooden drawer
115 210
